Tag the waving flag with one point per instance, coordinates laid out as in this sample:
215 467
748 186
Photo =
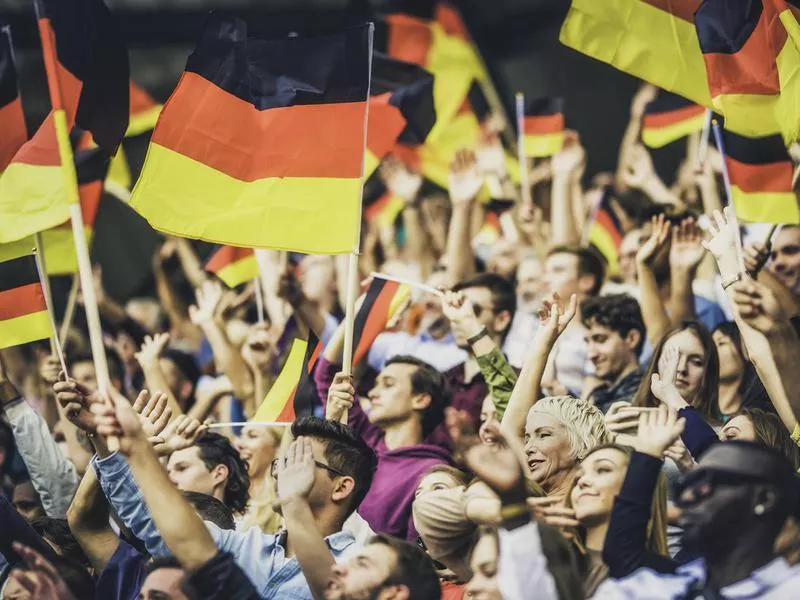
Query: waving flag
543 126
143 110
670 117
606 233
234 266
23 311
383 300
262 142
12 120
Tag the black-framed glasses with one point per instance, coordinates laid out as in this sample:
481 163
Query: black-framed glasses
478 309
273 469
700 484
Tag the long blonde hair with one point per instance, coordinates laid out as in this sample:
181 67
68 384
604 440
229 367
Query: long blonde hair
259 512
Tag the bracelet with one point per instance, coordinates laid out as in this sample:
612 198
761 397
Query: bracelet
730 282
513 511
481 334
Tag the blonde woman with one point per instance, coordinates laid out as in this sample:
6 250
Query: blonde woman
259 446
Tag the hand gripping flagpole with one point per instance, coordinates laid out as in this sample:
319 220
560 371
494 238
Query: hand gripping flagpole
76 216
352 264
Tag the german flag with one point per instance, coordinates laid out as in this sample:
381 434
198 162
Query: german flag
381 303
23 311
760 171
400 108
92 67
605 232
670 117
543 126
143 111
234 266
12 119
262 142
380 204
293 394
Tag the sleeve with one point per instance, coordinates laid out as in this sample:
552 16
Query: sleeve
522 566
17 529
220 579
625 547
500 377
323 378
697 435
52 474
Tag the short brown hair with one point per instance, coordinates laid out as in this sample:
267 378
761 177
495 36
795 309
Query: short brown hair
590 262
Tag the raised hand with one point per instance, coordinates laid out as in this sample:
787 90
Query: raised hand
208 297
491 155
758 306
75 399
553 319
662 384
658 430
571 159
686 250
118 419
646 93
551 510
624 418
458 308
648 251
39 579
295 472
756 255
151 349
400 180
679 453
341 396
153 413
640 169
465 180
179 434
723 243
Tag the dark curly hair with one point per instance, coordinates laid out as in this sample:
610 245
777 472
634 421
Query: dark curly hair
427 380
215 449
618 312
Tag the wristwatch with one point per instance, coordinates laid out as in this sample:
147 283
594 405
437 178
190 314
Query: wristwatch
481 334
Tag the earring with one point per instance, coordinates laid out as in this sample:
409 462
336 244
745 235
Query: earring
759 509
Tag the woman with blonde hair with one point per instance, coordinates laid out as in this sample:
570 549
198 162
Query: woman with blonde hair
259 446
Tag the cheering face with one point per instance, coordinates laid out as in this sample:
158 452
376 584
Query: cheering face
561 274
609 352
190 474
730 361
485 311
257 446
599 481
433 319
504 259
547 450
786 257
84 374
484 584
627 256
529 285
488 416
163 584
363 575
391 401
739 428
691 366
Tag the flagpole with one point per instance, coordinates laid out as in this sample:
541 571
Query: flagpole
55 345
76 216
729 193
69 313
524 175
702 151
259 300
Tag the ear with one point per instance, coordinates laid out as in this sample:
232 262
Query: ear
394 592
219 474
586 283
421 401
502 321
764 500
186 390
343 488
632 339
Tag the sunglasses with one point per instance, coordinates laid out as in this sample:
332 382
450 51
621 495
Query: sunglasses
699 484
273 469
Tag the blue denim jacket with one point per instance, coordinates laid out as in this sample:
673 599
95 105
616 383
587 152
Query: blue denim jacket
261 556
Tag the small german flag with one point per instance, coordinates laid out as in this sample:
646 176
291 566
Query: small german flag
262 142
760 171
543 126
143 110
23 311
293 394
234 266
92 66
12 119
605 232
670 117
381 303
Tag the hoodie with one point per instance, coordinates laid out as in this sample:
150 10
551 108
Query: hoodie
387 505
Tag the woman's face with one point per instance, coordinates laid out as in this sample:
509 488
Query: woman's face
488 416
738 428
547 449
691 367
730 361
599 481
484 585
257 446
436 481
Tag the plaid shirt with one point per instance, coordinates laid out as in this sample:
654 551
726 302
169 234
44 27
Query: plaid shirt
605 395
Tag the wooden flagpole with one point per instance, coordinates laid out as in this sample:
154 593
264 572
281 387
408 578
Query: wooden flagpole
729 193
69 312
55 345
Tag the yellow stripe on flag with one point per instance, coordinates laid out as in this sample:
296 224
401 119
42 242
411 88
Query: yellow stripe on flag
435 157
21 330
766 207
184 197
143 122
659 137
371 163
32 198
537 146
118 180
239 271
605 243
787 109
281 391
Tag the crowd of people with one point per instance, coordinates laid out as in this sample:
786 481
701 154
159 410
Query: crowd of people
542 426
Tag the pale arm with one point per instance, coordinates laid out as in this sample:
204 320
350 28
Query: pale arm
654 313
88 520
465 183
191 265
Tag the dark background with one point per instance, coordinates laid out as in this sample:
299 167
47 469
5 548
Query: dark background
518 40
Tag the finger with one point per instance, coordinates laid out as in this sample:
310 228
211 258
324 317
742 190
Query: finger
160 406
151 404
559 511
561 522
163 420
141 401
182 425
545 500
192 428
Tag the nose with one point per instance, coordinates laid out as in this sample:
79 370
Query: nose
683 363
373 393
339 570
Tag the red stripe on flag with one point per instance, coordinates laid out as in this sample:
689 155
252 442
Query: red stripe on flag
227 255
544 124
287 412
376 320
603 219
386 123
12 124
771 177
409 40
665 119
683 9
21 301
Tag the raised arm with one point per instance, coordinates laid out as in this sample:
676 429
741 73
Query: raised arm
685 254
88 521
644 95
567 167
190 263
526 391
465 183
654 313
148 357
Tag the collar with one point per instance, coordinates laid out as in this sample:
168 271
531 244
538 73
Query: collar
759 582
426 337
338 542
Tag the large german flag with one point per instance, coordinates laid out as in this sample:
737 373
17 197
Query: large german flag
262 142
381 303
293 394
233 265
760 171
400 108
92 67
143 111
670 117
12 119
542 126
23 312
606 233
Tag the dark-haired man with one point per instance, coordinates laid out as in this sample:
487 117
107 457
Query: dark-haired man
615 335
396 418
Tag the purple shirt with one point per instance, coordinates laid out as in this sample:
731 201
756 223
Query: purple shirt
387 506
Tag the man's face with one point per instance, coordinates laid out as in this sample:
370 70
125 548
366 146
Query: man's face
84 374
322 492
26 501
786 258
163 584
363 575
561 274
504 259
627 256
433 320
188 472
609 352
486 313
176 382
529 285
391 399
